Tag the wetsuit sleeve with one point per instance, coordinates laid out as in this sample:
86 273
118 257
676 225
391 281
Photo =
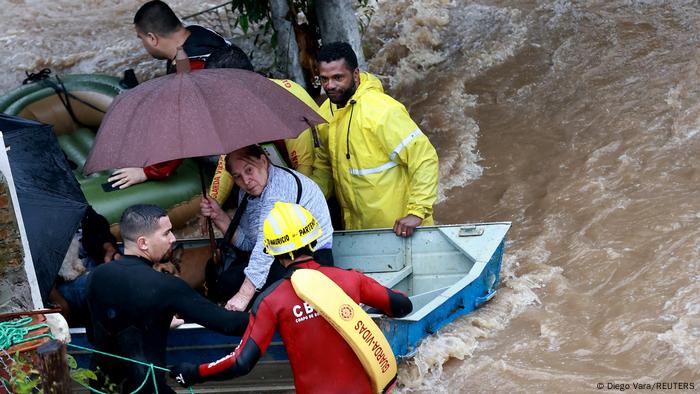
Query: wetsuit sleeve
392 302
254 343
161 170
193 307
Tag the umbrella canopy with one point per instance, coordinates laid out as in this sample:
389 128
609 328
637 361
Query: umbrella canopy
202 113
50 198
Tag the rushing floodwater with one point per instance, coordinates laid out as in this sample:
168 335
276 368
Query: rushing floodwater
577 121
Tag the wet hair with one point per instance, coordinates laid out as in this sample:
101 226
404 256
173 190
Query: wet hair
156 17
304 250
140 219
336 51
249 153
229 56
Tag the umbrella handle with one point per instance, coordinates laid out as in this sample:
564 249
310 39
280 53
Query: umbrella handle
213 249
215 253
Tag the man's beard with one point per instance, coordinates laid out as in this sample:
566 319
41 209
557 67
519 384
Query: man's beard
167 256
345 96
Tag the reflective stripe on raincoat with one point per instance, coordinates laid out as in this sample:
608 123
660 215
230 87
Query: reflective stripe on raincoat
378 161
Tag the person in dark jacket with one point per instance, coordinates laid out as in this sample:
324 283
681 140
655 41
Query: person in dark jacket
161 32
131 305
95 245
322 361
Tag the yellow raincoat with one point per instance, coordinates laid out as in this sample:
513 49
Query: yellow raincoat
300 149
375 158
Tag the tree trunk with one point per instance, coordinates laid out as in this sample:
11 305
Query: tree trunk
287 48
55 376
337 21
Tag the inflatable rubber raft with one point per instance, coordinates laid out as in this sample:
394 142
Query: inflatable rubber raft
76 116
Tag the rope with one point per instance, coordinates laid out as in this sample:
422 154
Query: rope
63 94
151 368
13 332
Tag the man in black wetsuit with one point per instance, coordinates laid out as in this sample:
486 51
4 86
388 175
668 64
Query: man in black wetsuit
131 305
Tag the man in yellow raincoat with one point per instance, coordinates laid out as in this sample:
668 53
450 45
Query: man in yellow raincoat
382 168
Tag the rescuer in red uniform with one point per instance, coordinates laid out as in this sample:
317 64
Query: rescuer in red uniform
321 360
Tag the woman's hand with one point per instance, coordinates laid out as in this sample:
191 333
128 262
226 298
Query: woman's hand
240 301
209 208
125 177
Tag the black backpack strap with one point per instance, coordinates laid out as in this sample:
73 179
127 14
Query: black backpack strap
296 178
236 220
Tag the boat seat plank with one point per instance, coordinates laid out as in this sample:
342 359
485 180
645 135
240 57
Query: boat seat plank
391 279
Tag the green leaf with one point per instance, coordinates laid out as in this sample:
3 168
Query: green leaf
243 19
83 375
72 364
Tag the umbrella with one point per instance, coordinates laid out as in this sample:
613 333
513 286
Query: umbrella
206 112
50 198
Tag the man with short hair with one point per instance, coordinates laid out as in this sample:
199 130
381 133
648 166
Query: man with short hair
322 361
131 305
382 168
161 32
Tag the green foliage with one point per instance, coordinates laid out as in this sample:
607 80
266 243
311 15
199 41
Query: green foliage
107 386
25 379
80 375
252 11
258 12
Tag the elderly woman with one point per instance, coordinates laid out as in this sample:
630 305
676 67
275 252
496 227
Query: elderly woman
262 184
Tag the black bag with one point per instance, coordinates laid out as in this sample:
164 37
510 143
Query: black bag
213 271
231 257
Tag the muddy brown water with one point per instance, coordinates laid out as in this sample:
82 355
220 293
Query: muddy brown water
577 121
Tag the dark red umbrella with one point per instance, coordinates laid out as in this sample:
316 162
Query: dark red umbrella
202 113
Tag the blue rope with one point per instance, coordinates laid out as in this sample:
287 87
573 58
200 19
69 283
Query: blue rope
14 331
151 369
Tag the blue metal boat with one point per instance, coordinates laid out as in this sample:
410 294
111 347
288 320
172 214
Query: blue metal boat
448 271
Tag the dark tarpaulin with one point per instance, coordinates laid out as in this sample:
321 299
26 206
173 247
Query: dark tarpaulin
49 196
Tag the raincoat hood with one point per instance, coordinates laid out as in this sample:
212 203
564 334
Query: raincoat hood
368 82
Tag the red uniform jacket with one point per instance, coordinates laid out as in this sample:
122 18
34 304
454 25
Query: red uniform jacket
322 362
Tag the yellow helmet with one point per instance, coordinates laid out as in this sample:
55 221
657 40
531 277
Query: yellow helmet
289 227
